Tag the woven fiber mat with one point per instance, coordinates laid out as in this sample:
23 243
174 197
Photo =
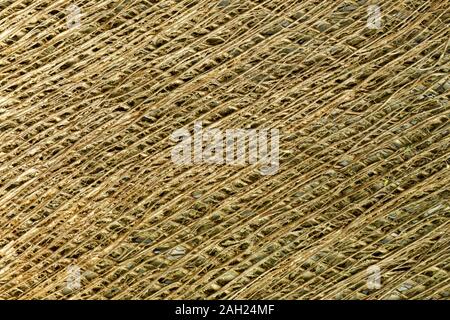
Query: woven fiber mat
96 96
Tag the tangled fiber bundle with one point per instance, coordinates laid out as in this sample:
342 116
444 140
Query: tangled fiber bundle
91 90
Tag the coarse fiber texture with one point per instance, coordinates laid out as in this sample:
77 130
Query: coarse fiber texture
93 207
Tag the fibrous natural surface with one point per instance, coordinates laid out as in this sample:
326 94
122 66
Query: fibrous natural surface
87 182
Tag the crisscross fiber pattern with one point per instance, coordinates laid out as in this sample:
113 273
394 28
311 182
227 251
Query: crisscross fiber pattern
87 180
